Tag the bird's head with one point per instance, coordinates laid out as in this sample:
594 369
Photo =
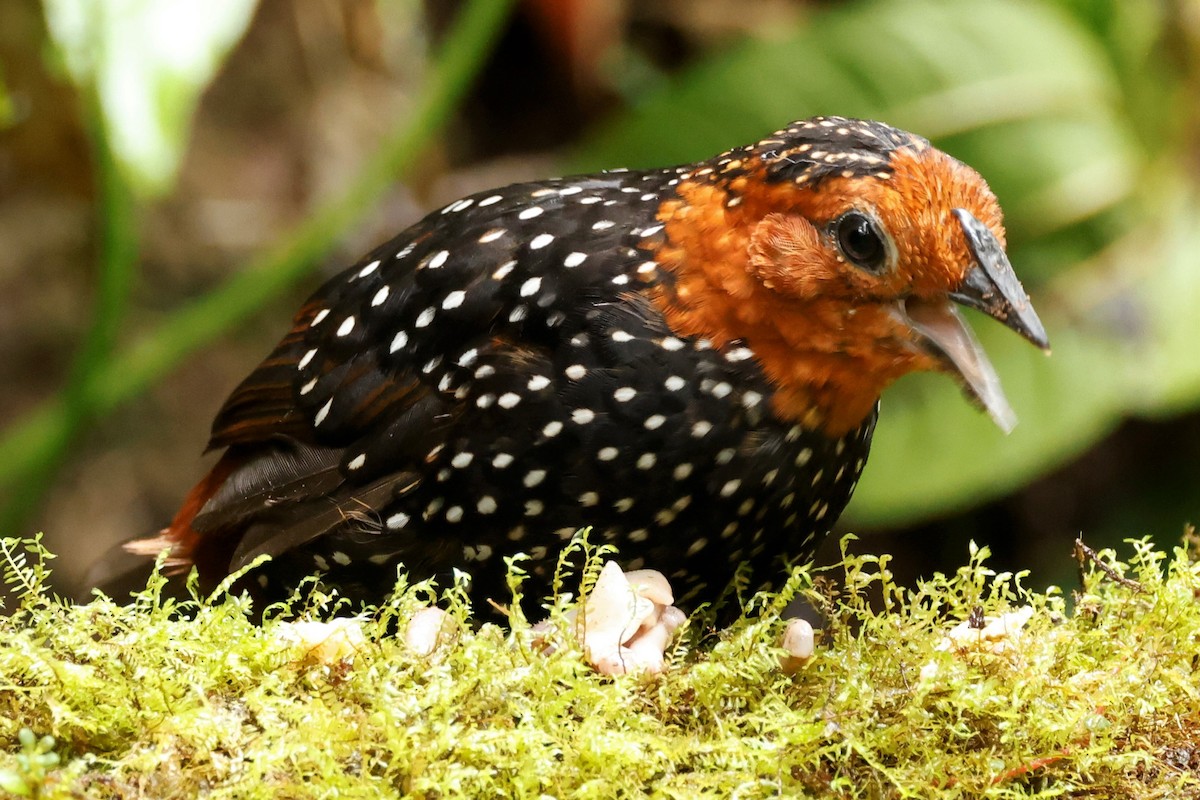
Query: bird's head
839 250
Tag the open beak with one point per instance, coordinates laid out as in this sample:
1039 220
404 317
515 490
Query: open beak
992 287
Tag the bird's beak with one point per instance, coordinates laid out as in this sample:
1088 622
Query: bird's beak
992 287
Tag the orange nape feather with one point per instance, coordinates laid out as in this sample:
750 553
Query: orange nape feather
752 260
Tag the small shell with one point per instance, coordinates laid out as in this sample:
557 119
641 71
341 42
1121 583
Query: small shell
324 642
798 642
426 630
652 585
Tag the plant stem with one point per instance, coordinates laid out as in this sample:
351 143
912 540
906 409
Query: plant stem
117 260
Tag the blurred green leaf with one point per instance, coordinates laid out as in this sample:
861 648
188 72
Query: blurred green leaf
8 112
1026 94
1017 89
148 61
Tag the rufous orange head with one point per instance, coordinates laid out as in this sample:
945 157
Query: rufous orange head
839 250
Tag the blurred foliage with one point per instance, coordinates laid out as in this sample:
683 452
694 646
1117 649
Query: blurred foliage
32 448
1048 101
148 61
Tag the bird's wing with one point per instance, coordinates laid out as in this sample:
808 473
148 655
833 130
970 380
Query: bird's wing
378 366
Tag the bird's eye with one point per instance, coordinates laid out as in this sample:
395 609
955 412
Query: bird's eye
859 239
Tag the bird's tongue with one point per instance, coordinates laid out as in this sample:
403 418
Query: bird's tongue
950 339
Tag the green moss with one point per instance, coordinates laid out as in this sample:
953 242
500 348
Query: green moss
162 699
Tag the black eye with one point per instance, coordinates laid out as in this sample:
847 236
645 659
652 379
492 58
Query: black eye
860 241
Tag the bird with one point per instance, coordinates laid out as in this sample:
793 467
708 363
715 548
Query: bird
687 362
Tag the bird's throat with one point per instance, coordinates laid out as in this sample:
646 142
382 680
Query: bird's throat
828 358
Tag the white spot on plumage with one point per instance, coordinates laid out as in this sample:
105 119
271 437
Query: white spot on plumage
438 259
462 460
670 343
508 400
486 504
607 453
357 461
674 383
485 371
533 478
654 421
487 201
481 552
308 387
682 471
739 354
552 429
730 487
485 400
622 336
534 507
306 358
323 412
398 520
721 390
701 428
531 212
502 460
454 299
398 341
341 558
653 229
589 499
574 259
624 394
492 235
454 514
368 269
380 296
603 224
576 372
537 383
540 241
320 315
803 456
321 563
582 416
646 460
425 317
531 286
696 546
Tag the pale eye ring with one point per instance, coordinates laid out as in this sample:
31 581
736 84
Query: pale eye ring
862 243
